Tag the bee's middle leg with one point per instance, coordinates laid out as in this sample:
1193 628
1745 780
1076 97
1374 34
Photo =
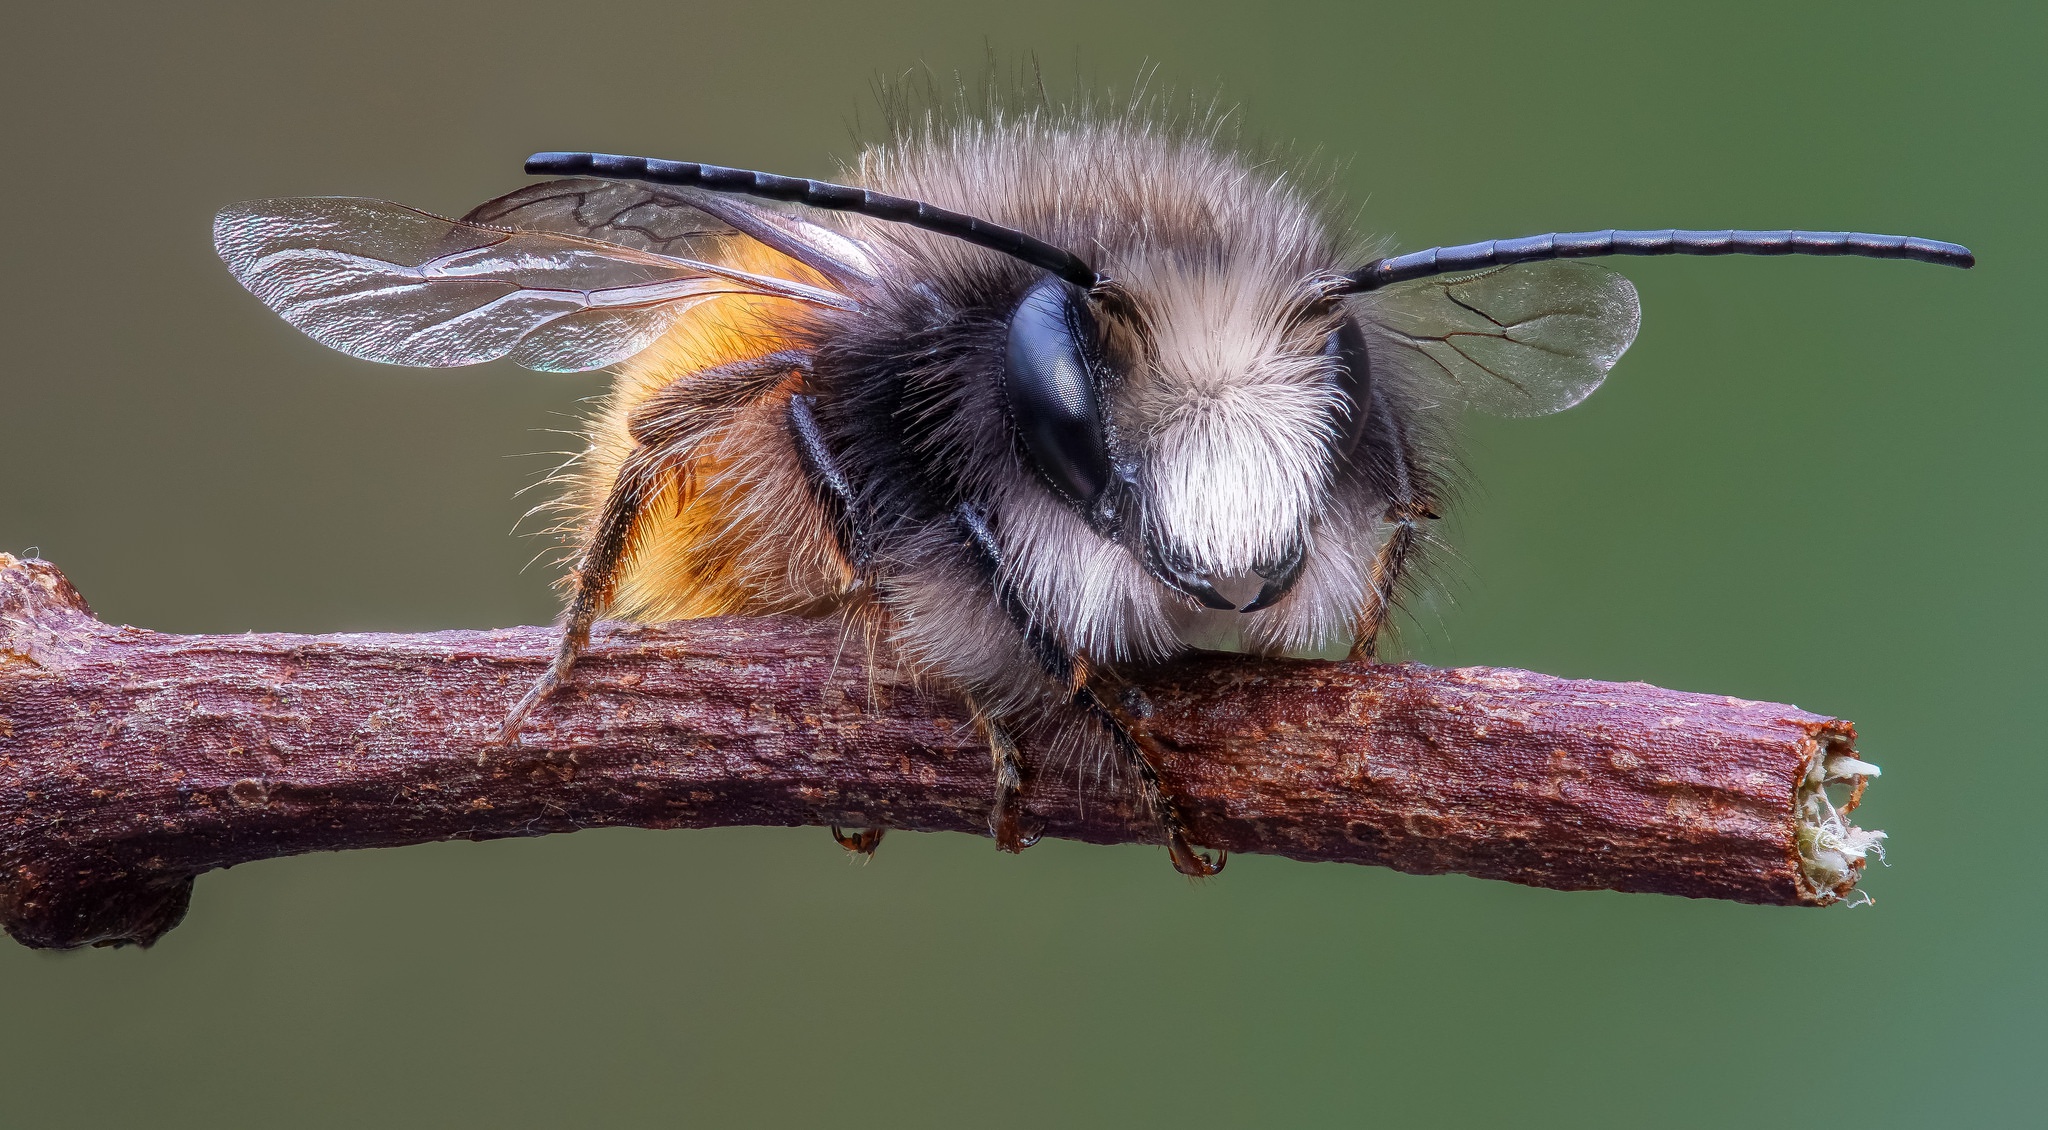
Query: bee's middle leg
1008 821
834 492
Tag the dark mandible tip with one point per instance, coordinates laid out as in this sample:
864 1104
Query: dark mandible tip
1669 241
822 194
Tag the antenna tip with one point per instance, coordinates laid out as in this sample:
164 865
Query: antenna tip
552 162
1936 251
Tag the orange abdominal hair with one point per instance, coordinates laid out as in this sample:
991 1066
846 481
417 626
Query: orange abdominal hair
736 529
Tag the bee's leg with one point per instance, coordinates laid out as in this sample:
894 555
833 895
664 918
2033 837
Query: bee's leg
1129 742
668 427
1008 820
1394 470
1013 827
596 572
1063 667
829 485
850 530
1383 580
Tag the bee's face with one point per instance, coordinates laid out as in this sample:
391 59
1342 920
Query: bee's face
1198 420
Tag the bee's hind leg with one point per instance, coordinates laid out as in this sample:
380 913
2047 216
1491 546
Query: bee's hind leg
667 429
596 571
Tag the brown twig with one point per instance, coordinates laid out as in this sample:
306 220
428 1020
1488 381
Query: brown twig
132 761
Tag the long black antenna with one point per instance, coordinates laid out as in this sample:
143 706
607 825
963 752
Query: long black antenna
1670 241
822 194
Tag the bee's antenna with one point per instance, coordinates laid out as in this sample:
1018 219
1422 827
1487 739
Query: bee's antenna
822 194
1671 241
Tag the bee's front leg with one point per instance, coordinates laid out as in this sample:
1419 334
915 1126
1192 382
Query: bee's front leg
1391 465
1013 827
1126 735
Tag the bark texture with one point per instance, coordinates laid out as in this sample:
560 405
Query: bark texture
132 761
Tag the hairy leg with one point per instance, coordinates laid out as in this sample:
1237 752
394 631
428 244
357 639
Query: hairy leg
1063 667
1013 827
596 572
1126 735
850 529
1007 818
668 428
1397 474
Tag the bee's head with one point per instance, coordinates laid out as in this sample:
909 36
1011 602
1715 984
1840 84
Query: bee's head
1198 414
1179 406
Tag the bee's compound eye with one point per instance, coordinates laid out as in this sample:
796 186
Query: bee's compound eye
1049 379
1346 345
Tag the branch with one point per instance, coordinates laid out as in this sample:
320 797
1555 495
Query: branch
132 761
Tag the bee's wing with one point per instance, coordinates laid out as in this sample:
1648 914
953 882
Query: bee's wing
388 283
1522 340
673 221
620 212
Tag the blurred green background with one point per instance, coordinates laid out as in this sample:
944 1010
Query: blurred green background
1814 481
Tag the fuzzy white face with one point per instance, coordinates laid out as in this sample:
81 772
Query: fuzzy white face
1235 415
1234 420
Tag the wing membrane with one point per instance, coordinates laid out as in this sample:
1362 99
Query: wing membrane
616 212
1522 340
672 221
388 283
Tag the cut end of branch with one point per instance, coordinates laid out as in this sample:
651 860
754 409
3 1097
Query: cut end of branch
38 608
1833 851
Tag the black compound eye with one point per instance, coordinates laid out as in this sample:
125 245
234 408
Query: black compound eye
1346 344
1049 380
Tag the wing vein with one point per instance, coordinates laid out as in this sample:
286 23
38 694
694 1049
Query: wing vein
1521 340
397 285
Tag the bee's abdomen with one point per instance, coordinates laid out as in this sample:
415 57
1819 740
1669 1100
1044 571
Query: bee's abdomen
734 530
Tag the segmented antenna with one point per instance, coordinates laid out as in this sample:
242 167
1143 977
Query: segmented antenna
1670 241
821 194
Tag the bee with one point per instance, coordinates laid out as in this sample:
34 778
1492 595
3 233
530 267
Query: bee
1038 400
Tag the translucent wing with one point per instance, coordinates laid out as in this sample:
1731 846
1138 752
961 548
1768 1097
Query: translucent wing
388 283
618 212
1523 340
672 221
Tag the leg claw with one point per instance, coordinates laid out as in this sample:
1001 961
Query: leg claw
861 841
1013 828
508 730
1190 862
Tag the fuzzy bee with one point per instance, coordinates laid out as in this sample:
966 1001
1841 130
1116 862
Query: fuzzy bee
1038 400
